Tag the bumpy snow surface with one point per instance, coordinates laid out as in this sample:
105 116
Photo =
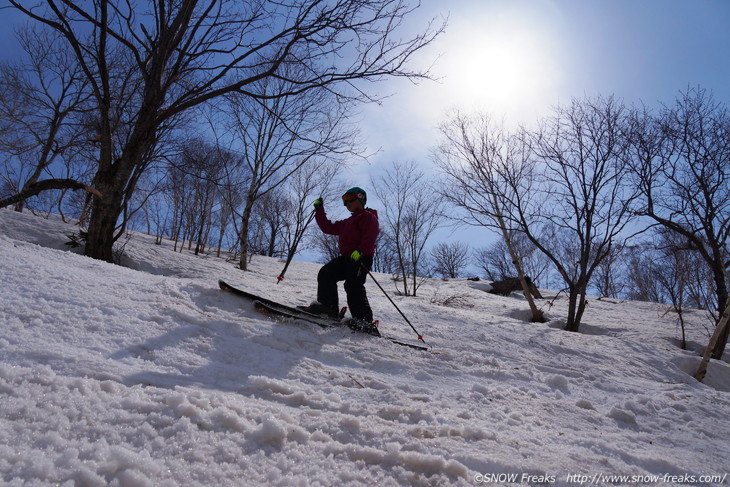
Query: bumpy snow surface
148 374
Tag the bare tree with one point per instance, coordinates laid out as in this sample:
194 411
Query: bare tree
266 226
672 275
722 325
310 182
327 246
609 271
277 135
181 198
148 63
412 212
478 156
39 107
204 164
450 259
157 214
496 260
584 196
680 161
231 199
385 259
641 283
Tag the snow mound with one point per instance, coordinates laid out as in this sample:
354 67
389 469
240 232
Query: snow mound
149 375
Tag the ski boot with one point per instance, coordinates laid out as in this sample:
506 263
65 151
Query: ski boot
362 326
317 308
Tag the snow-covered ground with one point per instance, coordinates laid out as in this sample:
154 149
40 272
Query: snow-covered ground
150 375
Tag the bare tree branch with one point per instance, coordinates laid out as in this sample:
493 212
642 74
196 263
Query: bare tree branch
149 63
45 185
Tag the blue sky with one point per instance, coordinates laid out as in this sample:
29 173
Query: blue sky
518 58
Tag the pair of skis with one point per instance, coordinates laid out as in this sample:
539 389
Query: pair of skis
270 307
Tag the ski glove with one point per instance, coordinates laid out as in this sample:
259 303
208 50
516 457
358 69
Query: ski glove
356 256
318 203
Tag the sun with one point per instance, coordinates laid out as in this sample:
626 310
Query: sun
505 64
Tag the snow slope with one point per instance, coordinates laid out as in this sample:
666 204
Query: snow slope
149 375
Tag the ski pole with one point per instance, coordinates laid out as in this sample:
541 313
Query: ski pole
420 337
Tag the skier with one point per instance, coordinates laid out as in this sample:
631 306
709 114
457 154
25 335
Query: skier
357 235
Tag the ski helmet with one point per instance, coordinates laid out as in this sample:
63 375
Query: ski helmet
358 193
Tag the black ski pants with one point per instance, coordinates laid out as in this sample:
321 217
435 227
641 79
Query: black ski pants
345 269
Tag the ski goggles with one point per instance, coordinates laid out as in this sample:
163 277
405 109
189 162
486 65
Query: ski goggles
350 197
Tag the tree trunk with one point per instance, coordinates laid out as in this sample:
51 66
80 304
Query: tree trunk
723 303
113 180
199 246
582 302
245 219
572 323
222 232
105 213
414 266
719 349
537 315
272 240
722 327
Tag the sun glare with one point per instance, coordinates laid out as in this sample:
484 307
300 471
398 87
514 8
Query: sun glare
502 58
506 66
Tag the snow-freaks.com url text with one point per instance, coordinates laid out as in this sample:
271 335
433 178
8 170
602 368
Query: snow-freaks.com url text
600 479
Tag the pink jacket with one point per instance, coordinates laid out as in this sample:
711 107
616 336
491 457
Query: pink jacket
358 232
